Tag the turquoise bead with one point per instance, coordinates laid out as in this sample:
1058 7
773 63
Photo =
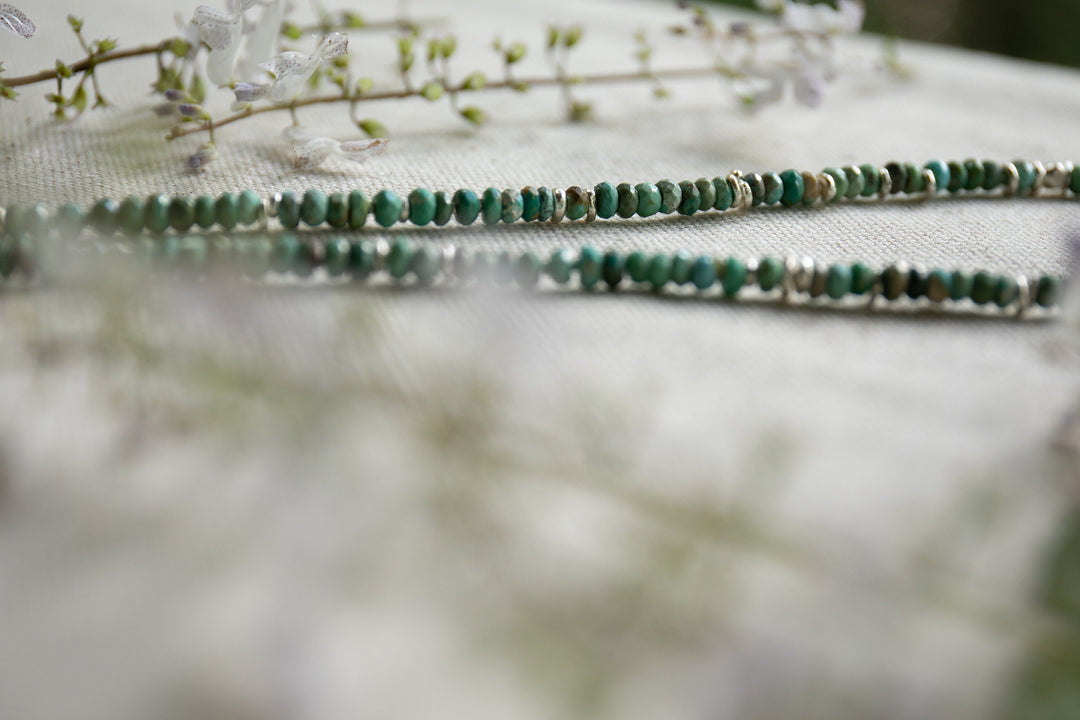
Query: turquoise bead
305 260
288 211
939 285
337 210
590 263
841 179
336 255
530 204
681 262
227 211
915 182
707 191
724 194
248 207
628 200
757 188
1074 180
444 207
131 216
69 220
1048 291
691 198
577 203
670 196
958 176
425 264
793 187
359 207
491 206
993 175
103 217
770 273
856 181
637 266
983 287
399 259
659 271
285 253
734 276
547 204
466 207
774 188
205 211
1006 291
862 278
527 270
871 179
606 198
181 214
916 284
962 284
897 177
362 259
387 206
156 214
511 206
1025 171
313 208
976 174
838 281
703 273
560 265
421 206
612 268
942 176
649 201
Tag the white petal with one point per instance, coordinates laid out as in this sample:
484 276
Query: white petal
246 92
853 14
312 153
360 150
216 28
332 45
261 41
287 63
288 87
13 19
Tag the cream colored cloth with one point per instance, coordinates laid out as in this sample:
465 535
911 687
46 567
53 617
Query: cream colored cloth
337 502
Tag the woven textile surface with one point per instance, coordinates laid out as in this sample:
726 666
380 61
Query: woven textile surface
328 501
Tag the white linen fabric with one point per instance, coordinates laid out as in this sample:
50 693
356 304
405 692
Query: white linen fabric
335 502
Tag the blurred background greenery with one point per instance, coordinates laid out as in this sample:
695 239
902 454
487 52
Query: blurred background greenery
1043 30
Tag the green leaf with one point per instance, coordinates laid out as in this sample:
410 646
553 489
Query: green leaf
474 81
474 115
373 128
78 100
63 70
515 52
432 91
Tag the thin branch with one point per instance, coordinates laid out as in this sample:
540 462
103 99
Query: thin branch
685 73
87 63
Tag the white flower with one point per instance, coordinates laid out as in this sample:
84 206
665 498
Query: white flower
290 70
222 31
310 151
846 18
13 20
261 41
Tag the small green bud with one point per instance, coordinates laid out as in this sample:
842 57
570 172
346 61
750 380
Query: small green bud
291 31
474 81
75 23
407 61
8 93
353 20
580 111
364 85
474 115
373 128
447 46
553 36
519 86
573 36
197 89
179 47
78 100
515 53
432 91
63 70
405 44
106 45
432 49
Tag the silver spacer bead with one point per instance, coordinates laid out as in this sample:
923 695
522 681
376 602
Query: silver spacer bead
827 183
931 183
268 209
404 216
751 271
1012 179
560 206
875 291
734 179
1023 296
1040 177
886 184
3 219
382 253
1057 177
590 215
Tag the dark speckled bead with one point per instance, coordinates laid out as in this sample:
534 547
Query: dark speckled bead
607 200
1048 291
917 284
757 188
337 210
915 182
897 176
444 207
862 278
691 198
975 174
958 176
104 217
530 204
547 204
648 196
993 175
871 179
707 191
962 283
1006 291
670 196
181 213
491 206
628 200
774 188
794 187
983 287
612 268
466 206
724 194
288 211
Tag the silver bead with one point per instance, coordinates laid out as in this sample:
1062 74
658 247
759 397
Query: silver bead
886 184
382 253
590 214
560 206
3 219
404 210
1012 178
751 272
1023 296
1057 177
1040 177
930 179
827 183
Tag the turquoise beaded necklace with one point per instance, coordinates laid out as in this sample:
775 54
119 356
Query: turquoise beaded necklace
240 238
